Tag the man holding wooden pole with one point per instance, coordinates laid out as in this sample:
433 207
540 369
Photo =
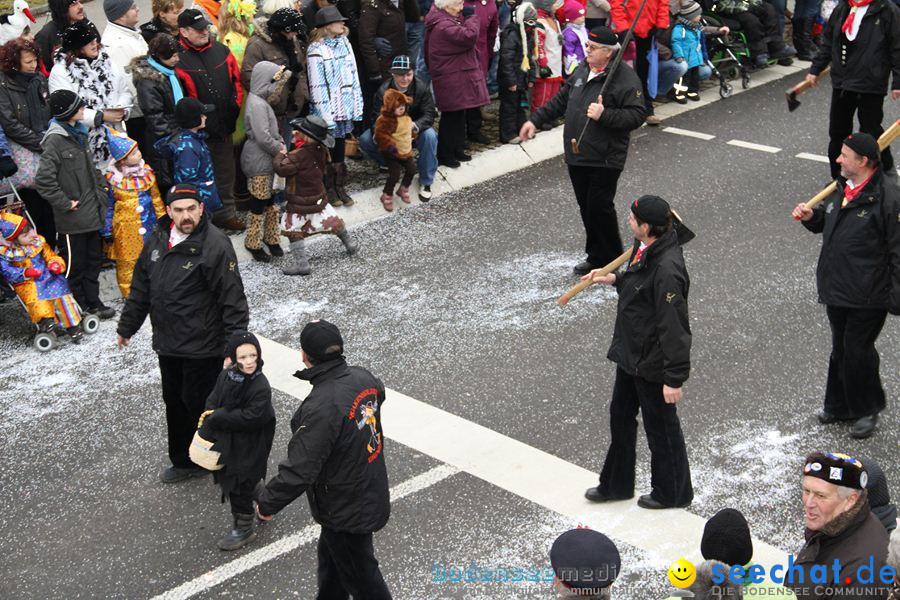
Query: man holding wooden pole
858 279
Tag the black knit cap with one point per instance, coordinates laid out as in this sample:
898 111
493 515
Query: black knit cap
78 35
603 35
188 111
864 145
321 340
64 104
183 191
584 559
286 19
652 210
726 538
239 338
837 469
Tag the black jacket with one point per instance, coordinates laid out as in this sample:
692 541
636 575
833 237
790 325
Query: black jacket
154 27
859 265
48 40
605 143
865 64
157 102
14 117
421 111
381 19
336 453
193 292
212 76
509 67
652 338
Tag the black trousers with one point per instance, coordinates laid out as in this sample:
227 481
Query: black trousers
41 213
752 28
670 477
397 167
473 122
241 497
224 172
83 253
137 130
514 107
595 190
347 566
186 383
854 385
642 67
451 134
869 109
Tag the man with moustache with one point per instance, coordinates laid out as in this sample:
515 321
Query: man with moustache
187 280
62 14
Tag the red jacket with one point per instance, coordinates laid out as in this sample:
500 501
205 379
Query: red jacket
655 14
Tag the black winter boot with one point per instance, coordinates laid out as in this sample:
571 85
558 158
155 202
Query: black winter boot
340 180
330 192
243 533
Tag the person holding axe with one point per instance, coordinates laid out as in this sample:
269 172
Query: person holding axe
651 347
602 104
858 278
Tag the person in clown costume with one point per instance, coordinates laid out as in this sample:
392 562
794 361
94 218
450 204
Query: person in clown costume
133 208
36 273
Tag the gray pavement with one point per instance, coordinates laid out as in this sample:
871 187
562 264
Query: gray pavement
453 304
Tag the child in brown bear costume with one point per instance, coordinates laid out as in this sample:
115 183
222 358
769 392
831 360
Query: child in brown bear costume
394 137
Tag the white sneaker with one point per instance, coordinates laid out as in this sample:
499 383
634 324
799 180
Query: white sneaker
425 193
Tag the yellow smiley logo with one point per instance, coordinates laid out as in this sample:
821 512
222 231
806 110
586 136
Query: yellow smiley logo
682 573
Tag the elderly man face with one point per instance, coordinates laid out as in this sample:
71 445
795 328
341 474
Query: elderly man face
823 501
195 37
597 55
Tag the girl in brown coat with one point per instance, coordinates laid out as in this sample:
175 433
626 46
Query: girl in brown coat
394 137
307 211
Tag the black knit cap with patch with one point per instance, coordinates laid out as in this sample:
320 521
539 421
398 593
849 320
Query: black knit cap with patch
864 145
183 191
652 210
603 35
321 340
838 469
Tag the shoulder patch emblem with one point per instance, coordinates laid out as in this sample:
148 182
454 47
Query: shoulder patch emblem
670 296
187 266
830 208
231 266
862 214
154 256
637 94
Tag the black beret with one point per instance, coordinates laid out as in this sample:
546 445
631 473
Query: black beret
838 469
864 145
652 210
726 538
318 337
603 35
585 559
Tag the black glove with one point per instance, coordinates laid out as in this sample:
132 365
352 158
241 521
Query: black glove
383 47
296 68
468 11
8 166
545 72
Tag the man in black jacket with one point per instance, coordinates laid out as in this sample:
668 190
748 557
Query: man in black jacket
863 47
62 14
858 278
596 168
652 347
336 456
187 280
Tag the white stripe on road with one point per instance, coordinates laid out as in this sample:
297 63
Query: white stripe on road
752 146
292 542
688 133
815 157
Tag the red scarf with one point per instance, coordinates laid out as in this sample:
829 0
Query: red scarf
851 194
854 4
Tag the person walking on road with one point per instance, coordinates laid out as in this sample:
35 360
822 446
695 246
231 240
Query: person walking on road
187 280
336 456
651 347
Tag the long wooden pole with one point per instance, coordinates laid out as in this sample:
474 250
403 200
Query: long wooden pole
583 285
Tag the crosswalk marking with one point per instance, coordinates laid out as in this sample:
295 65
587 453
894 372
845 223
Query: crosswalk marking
688 133
814 157
753 146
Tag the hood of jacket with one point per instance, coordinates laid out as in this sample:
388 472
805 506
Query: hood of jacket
261 28
262 82
393 99
142 71
54 129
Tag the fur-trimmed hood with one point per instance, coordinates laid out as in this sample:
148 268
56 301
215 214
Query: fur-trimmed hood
141 70
261 28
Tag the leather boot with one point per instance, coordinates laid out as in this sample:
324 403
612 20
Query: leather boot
272 230
298 261
253 239
802 36
350 244
330 192
340 180
243 533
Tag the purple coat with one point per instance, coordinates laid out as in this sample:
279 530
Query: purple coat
452 56
488 23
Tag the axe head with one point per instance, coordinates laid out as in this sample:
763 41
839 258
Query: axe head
682 231
792 101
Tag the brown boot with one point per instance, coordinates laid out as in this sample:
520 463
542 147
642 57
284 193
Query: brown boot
333 198
232 223
340 180
253 238
272 230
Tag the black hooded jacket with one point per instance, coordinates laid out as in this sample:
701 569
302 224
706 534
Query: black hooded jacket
336 452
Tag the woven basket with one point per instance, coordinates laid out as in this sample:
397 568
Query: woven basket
202 455
351 147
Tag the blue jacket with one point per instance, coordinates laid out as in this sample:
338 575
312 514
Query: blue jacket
687 43
191 163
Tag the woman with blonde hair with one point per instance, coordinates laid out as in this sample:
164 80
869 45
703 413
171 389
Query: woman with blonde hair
165 19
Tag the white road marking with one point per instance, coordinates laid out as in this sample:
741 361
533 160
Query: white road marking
688 133
815 157
752 146
306 535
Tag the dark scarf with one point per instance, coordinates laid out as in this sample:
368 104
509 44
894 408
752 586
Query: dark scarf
34 99
78 132
690 24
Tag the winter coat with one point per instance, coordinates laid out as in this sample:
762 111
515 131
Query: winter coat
334 90
451 51
863 65
652 337
336 452
854 538
213 77
264 139
422 110
14 116
191 163
124 45
47 40
67 172
509 66
192 292
154 27
549 47
859 265
687 43
605 143
597 9
15 259
574 40
381 19
393 134
262 47
654 16
488 24
303 169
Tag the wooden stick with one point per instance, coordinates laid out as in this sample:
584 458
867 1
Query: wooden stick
583 285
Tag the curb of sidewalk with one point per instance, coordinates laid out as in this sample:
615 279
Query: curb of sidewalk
491 164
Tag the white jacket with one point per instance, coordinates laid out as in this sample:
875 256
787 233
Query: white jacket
124 44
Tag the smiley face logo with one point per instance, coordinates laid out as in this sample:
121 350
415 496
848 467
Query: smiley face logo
682 573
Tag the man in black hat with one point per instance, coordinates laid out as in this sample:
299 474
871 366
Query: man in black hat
62 14
651 347
858 278
336 456
216 79
187 280
596 167
585 564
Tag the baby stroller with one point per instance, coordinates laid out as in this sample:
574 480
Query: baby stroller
44 341
728 56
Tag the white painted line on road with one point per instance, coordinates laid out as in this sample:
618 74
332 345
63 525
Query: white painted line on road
752 146
292 542
815 157
688 133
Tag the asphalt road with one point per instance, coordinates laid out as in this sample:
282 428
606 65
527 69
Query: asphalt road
453 304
